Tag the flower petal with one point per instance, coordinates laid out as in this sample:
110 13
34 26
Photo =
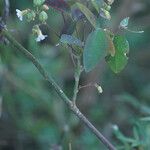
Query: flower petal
40 37
19 14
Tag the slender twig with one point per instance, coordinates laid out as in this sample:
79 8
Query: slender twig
59 36
52 83
77 33
1 108
87 85
78 70
70 146
50 28
6 10
63 16
3 19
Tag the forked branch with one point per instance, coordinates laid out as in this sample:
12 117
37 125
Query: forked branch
60 92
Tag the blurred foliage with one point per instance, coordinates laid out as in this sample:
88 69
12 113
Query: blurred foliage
33 117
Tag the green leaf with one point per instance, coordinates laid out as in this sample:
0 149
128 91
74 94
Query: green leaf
88 14
119 60
95 49
124 22
71 40
97 4
94 3
124 25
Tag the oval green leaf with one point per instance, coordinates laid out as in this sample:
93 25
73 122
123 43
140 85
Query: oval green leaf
89 15
119 61
71 40
95 49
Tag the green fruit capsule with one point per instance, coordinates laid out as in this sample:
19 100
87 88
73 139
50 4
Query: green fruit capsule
38 2
43 16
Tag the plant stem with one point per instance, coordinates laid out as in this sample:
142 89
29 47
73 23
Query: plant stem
52 83
77 74
6 10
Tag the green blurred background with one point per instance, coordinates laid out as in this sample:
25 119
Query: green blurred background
32 116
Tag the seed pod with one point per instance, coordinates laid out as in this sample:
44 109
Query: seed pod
105 14
106 6
45 7
30 16
43 16
38 2
110 2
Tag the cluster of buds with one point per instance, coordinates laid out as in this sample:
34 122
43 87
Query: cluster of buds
30 15
105 10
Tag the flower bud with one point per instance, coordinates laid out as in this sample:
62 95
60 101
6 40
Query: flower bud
105 14
30 16
43 16
106 6
45 7
110 2
115 127
99 88
35 30
38 2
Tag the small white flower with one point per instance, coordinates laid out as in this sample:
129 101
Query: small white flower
40 36
19 14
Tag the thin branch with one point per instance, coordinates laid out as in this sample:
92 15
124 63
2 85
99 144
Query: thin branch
6 10
52 83
50 28
59 36
77 74
85 86
63 16
70 146
3 18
